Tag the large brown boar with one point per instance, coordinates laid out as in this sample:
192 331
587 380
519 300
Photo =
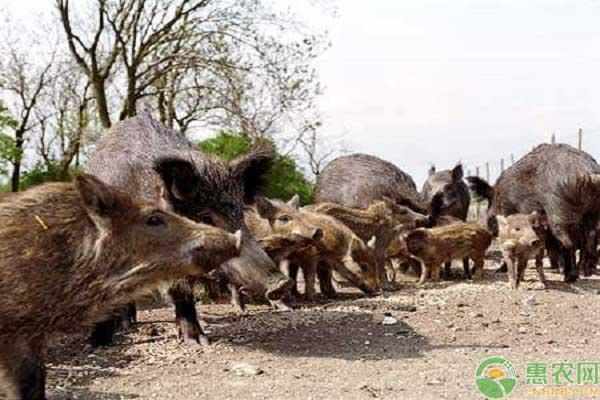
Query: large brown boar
358 180
161 165
565 183
435 246
70 253
521 237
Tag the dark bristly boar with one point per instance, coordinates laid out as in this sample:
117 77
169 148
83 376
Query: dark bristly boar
521 237
565 183
357 181
454 197
438 245
161 165
71 253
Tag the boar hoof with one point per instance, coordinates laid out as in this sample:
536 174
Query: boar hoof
570 278
279 305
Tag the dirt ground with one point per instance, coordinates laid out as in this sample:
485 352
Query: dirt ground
340 349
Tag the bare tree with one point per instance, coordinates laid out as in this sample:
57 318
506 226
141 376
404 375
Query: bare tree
317 150
25 79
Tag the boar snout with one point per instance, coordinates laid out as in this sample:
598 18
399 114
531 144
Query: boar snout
209 254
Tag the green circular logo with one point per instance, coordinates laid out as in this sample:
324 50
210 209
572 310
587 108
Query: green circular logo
496 378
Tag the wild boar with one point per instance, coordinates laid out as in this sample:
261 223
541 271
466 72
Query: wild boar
160 165
565 183
71 253
455 199
435 246
337 246
521 237
379 220
358 180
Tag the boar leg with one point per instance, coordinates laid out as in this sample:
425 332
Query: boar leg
25 368
521 267
103 332
128 315
588 253
325 276
384 282
309 271
478 268
236 299
425 269
186 318
513 275
435 272
292 273
448 270
466 268
567 258
539 266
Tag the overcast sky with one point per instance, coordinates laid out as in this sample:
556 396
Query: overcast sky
436 81
440 81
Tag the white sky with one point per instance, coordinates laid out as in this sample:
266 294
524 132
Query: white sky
439 81
436 81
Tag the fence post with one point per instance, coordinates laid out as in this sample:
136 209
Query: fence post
553 138
580 139
512 159
487 171
502 165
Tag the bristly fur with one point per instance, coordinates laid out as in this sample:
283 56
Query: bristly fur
576 196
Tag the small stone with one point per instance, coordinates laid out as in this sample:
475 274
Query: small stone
367 342
389 320
522 330
245 369
550 341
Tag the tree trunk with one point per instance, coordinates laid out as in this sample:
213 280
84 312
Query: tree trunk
101 102
16 173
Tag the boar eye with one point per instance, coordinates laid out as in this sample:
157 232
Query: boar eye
155 220
284 218
364 267
206 219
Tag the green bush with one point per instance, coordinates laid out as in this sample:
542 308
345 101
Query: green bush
42 173
283 181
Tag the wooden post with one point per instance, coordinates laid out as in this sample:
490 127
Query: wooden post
512 159
580 139
477 172
487 171
502 165
553 138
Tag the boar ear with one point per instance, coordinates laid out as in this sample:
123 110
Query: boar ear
294 202
539 217
457 173
431 170
180 177
98 199
251 169
437 202
265 207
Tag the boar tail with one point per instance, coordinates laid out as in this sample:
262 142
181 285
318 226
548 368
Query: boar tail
481 188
